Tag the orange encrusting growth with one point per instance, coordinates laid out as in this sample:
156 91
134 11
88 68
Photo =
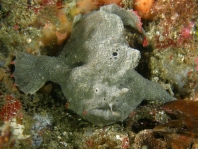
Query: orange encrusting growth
106 2
143 7
85 6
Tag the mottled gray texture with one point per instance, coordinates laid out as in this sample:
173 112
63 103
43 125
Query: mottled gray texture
95 69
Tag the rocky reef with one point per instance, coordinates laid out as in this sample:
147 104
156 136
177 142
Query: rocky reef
44 119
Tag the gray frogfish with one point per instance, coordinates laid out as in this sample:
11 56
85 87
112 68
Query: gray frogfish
95 69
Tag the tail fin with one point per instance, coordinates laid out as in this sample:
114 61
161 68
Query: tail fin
155 91
31 72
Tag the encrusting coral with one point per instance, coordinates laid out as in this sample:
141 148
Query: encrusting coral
95 69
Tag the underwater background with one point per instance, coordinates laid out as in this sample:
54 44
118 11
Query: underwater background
169 56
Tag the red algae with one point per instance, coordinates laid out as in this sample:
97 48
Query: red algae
181 130
172 34
176 21
10 109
